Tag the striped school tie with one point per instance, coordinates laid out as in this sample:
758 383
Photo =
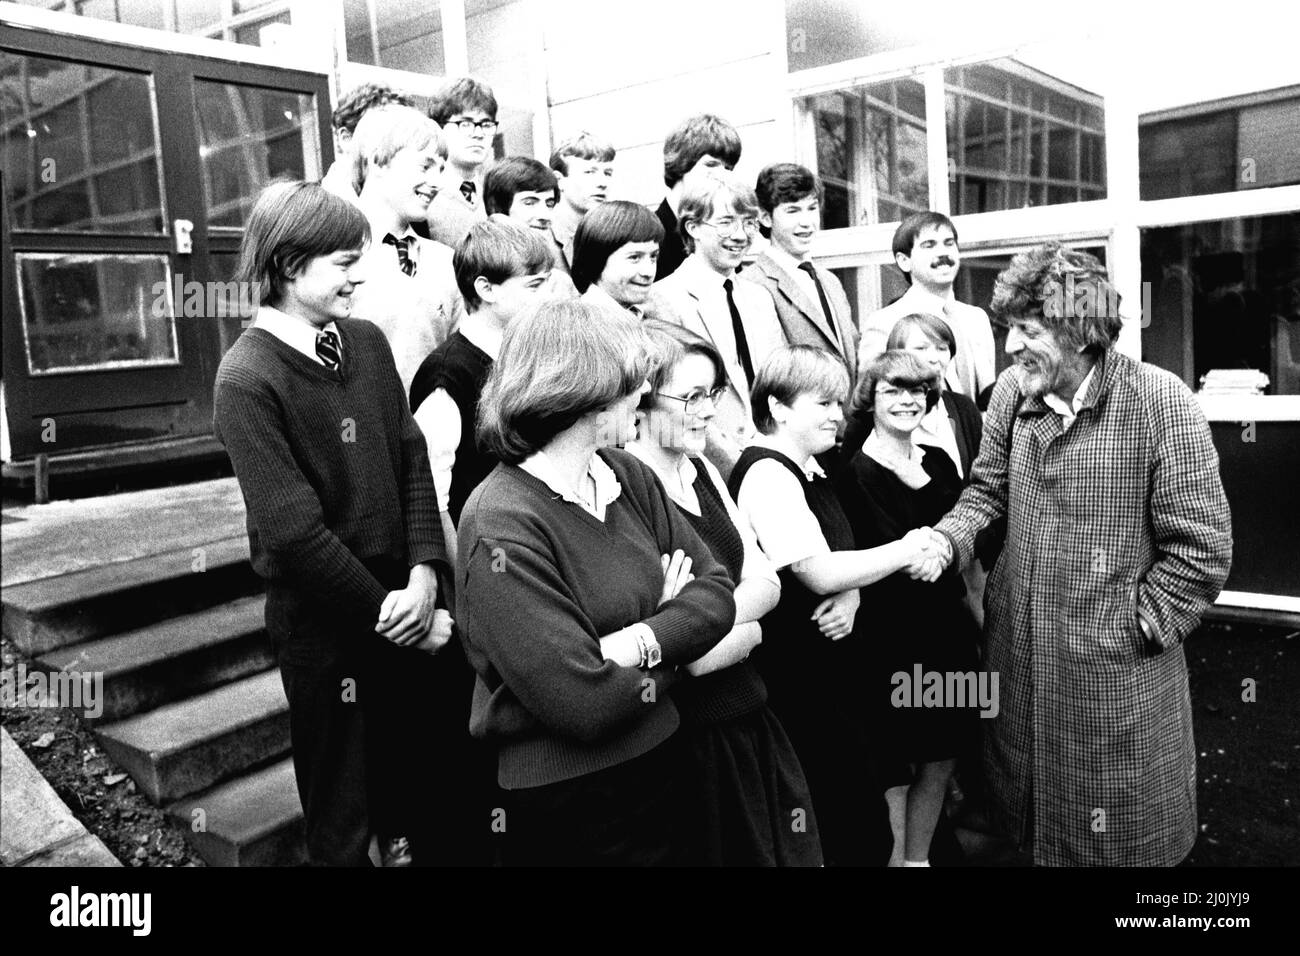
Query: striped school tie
404 260
327 349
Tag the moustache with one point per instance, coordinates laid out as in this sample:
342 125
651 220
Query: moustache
942 261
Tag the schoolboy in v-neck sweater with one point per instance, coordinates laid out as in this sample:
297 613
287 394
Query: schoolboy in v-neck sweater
333 467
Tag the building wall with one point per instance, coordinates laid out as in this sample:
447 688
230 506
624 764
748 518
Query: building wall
731 61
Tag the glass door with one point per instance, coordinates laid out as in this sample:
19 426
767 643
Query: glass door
127 177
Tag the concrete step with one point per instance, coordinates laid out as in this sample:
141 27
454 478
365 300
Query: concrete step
182 748
54 612
173 659
253 820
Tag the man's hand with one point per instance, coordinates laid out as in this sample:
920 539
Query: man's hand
406 616
835 615
677 574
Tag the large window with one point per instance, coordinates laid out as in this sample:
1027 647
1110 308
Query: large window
1016 133
1018 137
870 144
247 137
1225 303
80 147
1249 143
396 34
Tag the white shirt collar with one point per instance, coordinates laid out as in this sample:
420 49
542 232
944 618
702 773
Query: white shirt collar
918 298
783 259
684 477
706 274
542 467
296 333
1070 412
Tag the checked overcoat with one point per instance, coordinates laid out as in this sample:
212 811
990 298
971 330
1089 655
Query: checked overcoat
1119 520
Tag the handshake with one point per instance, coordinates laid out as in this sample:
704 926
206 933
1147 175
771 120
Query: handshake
928 554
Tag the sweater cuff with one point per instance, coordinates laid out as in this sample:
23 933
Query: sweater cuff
675 631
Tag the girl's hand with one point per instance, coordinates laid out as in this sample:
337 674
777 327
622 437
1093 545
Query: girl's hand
677 574
835 615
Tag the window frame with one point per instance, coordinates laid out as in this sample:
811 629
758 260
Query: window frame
1115 221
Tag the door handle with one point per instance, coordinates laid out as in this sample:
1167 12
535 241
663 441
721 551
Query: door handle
183 233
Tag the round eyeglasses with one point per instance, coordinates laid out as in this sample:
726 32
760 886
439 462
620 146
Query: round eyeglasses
728 225
695 401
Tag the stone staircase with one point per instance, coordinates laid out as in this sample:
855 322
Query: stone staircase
193 707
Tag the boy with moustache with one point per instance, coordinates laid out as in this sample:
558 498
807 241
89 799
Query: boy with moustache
341 513
411 293
718 220
926 252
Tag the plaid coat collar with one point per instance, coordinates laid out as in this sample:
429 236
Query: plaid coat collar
1107 373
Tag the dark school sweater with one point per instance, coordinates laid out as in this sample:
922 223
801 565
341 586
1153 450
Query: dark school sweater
333 468
540 581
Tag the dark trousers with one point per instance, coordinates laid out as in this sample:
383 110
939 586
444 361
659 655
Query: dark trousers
443 780
350 699
327 729
380 737
627 815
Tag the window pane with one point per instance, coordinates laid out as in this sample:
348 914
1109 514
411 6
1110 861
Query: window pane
1225 296
95 312
79 146
871 153
251 34
1244 148
360 38
247 137
139 13
197 16
410 35
1019 135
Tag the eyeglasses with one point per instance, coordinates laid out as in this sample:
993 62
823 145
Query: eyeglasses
695 401
728 225
464 124
889 393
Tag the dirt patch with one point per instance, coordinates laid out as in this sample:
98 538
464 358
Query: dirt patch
133 829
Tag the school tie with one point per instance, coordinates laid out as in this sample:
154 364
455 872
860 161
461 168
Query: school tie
468 189
738 327
327 349
821 295
404 260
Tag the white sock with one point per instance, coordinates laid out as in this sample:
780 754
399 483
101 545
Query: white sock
914 863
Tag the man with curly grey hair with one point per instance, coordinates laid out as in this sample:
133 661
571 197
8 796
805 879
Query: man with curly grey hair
1118 539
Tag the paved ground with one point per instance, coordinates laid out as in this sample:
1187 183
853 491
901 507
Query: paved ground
62 536
39 829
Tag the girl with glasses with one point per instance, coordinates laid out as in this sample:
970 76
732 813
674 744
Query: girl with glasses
892 485
754 808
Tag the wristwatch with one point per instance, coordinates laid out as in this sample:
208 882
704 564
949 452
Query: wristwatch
651 654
